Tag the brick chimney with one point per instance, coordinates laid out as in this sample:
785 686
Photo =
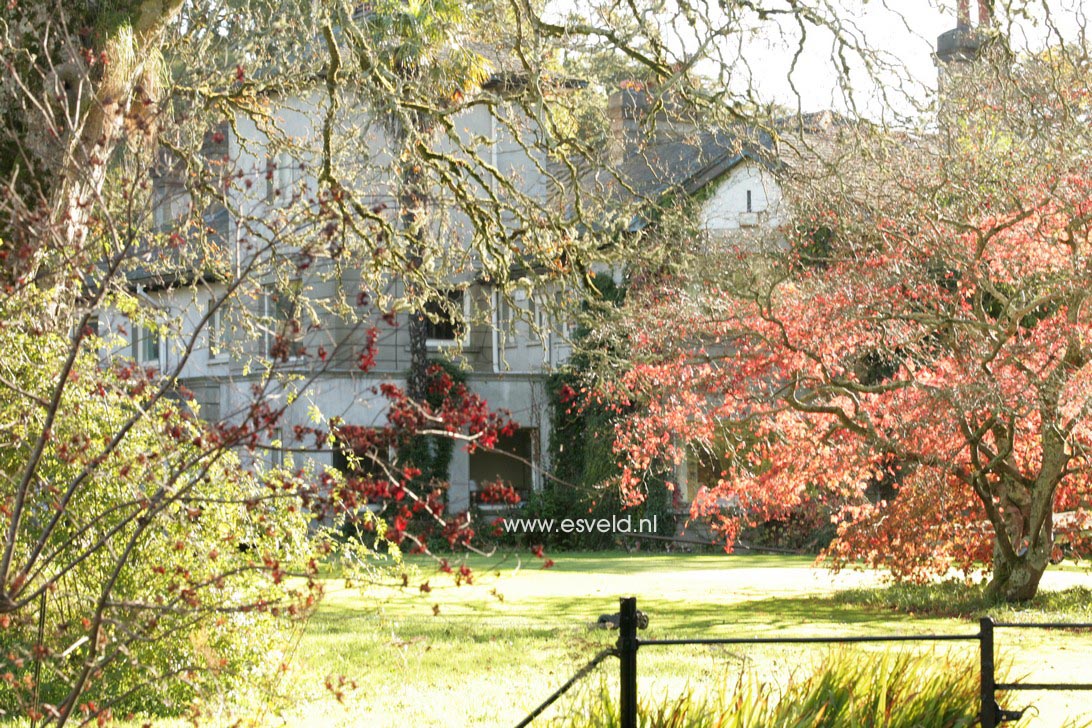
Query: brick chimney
640 115
963 43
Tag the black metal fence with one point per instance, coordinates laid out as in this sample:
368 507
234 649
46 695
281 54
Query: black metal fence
990 715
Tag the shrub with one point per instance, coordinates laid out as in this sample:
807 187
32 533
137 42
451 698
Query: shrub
164 569
807 529
582 453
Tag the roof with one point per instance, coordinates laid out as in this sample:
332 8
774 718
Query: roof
689 163
666 150
163 266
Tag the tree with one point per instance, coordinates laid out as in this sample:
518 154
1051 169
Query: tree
187 179
911 348
149 555
421 73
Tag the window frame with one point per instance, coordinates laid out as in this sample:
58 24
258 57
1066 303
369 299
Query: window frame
171 202
271 321
461 329
531 311
216 330
283 174
141 339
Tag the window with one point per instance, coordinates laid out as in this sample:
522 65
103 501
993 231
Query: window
145 344
170 201
704 469
504 313
276 449
445 318
281 324
91 329
509 461
538 308
216 329
749 218
509 312
281 175
558 320
522 319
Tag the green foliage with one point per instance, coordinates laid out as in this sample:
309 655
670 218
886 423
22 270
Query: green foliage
952 597
431 454
582 453
557 502
151 546
815 247
414 38
852 689
580 437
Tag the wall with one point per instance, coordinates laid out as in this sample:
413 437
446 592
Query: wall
726 209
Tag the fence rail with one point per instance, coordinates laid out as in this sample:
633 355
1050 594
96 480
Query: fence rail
990 713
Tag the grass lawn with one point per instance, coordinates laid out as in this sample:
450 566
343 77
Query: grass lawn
496 648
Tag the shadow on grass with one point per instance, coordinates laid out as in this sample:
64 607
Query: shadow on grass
652 563
565 618
673 618
621 562
958 600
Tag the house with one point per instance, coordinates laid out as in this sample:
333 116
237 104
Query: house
507 342
661 150
506 339
188 319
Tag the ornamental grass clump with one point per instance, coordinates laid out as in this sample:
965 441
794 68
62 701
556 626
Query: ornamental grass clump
852 689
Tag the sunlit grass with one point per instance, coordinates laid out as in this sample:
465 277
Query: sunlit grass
485 654
493 650
956 599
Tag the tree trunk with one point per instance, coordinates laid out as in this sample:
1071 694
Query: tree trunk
1017 580
412 202
1029 527
1027 510
418 368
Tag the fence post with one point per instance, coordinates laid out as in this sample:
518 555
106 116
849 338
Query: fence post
985 645
627 657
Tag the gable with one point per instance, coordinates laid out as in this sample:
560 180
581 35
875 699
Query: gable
746 196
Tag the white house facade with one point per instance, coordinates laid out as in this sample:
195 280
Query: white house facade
506 343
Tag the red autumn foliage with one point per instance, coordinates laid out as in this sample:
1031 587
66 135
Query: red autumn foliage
927 374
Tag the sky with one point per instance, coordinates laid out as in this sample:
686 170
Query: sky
898 37
905 38
905 33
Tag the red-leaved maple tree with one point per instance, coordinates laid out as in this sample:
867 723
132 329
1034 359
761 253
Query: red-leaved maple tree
911 347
